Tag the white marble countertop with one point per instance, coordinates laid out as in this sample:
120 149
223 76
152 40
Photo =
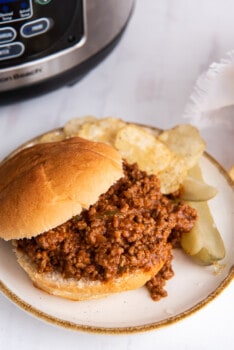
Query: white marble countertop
147 78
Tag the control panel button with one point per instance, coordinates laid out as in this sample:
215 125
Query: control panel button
7 34
11 50
43 2
36 27
15 10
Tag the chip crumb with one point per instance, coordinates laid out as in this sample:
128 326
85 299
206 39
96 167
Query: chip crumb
218 268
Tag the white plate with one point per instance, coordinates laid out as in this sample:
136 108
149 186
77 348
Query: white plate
135 311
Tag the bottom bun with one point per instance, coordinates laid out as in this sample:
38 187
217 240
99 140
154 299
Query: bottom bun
53 282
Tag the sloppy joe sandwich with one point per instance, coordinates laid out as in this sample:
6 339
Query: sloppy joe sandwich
90 216
86 224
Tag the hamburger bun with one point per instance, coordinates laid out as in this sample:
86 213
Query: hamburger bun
44 185
84 289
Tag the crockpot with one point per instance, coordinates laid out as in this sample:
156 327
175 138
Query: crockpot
47 43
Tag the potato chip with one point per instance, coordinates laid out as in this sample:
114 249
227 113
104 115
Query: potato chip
101 130
137 145
149 130
52 136
185 141
173 175
72 126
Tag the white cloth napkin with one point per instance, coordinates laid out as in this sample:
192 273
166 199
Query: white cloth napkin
214 90
211 107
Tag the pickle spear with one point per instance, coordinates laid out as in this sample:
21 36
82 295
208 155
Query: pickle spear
204 242
196 190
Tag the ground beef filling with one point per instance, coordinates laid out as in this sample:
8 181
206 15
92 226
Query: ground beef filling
132 226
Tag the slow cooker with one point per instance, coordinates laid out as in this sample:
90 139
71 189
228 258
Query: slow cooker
46 43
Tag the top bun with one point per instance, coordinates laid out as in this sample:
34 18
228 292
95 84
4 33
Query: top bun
45 185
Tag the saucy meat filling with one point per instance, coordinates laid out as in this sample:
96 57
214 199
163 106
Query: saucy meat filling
132 226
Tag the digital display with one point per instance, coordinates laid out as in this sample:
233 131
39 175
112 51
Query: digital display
15 10
7 1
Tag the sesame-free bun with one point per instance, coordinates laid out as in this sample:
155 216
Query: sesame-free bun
45 185
84 289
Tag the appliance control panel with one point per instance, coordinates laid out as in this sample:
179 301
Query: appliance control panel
14 10
32 29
